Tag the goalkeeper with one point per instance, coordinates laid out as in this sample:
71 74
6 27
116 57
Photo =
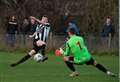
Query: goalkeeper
75 45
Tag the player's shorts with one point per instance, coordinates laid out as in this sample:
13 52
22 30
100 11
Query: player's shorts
84 61
90 62
77 62
37 48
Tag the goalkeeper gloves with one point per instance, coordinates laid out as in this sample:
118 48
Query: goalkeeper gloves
61 51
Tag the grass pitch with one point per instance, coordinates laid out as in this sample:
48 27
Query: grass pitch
54 70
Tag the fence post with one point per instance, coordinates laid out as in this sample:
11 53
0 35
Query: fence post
51 41
109 41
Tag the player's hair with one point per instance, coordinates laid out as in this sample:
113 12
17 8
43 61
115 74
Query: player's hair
71 30
45 16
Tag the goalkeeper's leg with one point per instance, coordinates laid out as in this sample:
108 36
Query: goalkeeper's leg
69 62
100 67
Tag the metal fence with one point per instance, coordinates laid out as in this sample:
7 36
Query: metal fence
94 43
55 41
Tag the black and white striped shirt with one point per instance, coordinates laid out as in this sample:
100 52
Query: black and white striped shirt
42 32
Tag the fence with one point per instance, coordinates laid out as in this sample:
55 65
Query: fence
55 41
94 43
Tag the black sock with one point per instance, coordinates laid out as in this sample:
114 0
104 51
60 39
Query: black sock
102 68
43 50
23 59
70 66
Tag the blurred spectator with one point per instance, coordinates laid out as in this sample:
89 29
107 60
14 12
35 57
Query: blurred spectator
108 32
73 25
25 26
33 26
70 21
12 29
108 29
25 29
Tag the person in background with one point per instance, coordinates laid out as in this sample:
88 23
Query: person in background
70 21
12 29
108 31
73 25
25 29
33 26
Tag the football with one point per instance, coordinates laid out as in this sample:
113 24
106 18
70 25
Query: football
38 57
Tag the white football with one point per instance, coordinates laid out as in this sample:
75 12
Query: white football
38 57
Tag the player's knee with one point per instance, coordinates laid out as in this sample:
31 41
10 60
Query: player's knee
68 58
32 52
40 43
71 58
95 63
65 59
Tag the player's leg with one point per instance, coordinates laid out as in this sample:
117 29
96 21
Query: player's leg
41 45
43 53
43 50
26 57
100 67
37 46
69 62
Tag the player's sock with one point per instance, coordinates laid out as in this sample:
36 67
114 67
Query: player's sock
70 66
43 53
21 61
111 74
102 68
44 58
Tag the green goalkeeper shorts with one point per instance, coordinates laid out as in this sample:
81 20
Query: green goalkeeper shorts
82 61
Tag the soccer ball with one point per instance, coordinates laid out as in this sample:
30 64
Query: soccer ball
38 57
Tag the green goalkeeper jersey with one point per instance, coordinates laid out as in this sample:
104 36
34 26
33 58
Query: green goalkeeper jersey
75 45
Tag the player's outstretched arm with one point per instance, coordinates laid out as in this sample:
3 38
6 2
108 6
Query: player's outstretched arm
32 17
31 36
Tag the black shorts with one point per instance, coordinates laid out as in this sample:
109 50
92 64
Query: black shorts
90 62
38 48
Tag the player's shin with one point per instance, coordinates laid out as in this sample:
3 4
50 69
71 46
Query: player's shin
70 66
43 53
102 68
43 50
26 57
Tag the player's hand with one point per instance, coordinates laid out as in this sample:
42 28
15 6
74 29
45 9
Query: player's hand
32 17
65 58
30 36
57 52
61 51
13 65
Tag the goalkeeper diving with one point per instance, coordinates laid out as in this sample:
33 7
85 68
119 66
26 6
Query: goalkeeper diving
80 55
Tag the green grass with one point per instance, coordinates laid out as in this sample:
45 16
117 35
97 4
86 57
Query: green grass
53 70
